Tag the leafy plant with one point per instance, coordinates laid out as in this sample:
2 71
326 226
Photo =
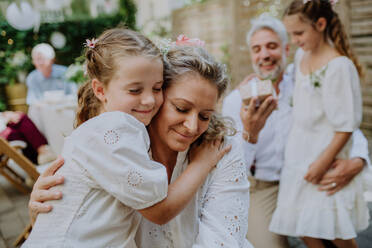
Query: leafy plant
16 66
191 2
75 31
75 72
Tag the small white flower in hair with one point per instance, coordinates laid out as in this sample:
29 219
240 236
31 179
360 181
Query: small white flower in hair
91 43
163 44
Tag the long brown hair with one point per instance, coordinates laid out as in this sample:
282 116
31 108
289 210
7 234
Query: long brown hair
101 64
313 10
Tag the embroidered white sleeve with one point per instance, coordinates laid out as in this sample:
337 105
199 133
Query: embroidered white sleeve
341 95
223 215
113 149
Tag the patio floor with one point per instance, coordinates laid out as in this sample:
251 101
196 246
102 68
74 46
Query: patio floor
14 217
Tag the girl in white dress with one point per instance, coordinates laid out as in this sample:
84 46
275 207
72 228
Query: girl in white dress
327 109
110 179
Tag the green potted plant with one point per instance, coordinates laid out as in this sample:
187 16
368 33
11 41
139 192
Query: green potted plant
76 72
16 68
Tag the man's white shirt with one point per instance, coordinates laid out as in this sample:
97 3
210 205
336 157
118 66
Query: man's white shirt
268 153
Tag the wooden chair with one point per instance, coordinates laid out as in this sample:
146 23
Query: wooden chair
23 236
7 153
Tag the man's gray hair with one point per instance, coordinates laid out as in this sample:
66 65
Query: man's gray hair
265 21
45 50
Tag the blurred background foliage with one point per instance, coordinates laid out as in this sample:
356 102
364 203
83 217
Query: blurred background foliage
76 29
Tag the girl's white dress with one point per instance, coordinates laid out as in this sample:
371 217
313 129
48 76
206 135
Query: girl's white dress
326 102
217 216
108 175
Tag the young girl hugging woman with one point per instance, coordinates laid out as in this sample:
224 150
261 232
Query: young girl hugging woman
110 179
327 109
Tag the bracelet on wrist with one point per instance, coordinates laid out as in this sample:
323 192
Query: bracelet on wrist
245 135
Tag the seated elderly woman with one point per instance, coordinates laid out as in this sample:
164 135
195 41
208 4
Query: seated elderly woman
47 76
17 126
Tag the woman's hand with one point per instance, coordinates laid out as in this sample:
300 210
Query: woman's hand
42 190
316 172
209 152
342 172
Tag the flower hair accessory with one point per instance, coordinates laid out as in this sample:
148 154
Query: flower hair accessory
163 44
91 43
183 40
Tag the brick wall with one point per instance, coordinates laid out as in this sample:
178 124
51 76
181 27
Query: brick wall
224 24
361 36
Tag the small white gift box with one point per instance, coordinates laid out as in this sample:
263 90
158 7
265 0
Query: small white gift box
256 88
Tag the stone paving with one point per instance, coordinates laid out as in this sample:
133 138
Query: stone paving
13 213
14 218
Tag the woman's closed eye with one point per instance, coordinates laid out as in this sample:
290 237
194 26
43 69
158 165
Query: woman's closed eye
204 117
181 110
298 33
157 89
135 90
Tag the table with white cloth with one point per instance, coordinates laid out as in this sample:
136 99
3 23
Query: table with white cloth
55 119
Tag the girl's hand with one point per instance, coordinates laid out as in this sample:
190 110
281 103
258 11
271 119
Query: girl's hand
209 153
324 162
316 172
42 190
341 174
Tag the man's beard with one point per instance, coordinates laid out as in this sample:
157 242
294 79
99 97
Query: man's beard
275 73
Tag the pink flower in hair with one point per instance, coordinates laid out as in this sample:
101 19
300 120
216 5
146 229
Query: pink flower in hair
91 43
183 40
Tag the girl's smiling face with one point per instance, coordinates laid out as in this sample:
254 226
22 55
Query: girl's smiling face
135 88
303 33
